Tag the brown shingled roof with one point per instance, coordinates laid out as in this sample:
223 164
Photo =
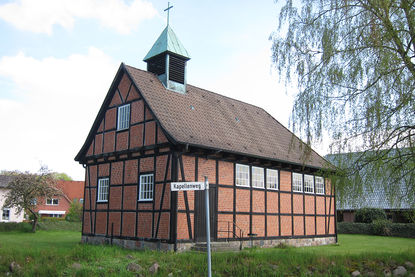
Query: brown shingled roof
206 119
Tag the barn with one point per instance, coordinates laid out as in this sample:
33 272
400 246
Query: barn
266 186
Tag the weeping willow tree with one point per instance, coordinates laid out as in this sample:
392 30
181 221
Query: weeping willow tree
354 65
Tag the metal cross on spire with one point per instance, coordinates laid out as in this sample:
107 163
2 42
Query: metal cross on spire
168 12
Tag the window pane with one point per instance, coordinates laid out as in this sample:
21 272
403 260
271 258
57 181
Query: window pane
297 182
319 185
242 175
272 179
146 187
309 183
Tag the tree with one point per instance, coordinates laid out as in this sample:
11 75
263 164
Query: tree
75 212
354 64
26 188
62 176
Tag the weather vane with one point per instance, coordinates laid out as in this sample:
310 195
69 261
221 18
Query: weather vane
168 12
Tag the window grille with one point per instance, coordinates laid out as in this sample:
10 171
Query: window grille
257 177
297 182
272 179
123 117
146 187
242 175
319 185
103 185
6 214
52 201
308 183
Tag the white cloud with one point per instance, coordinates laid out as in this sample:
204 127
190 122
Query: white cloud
60 99
41 15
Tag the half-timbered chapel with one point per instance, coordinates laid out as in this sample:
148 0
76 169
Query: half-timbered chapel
153 129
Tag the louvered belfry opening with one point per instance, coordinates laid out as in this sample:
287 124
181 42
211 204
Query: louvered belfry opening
167 59
177 69
157 64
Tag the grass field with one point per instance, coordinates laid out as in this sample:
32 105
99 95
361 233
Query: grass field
53 253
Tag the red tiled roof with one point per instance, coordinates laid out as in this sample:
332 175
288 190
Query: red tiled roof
72 189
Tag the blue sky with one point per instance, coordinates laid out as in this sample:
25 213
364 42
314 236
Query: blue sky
58 59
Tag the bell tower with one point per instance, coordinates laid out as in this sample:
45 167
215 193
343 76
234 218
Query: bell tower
167 59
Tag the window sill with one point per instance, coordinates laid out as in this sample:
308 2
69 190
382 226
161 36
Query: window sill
102 201
145 201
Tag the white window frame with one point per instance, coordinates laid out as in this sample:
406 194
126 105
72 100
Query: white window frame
242 175
308 183
8 214
81 200
258 177
51 201
272 179
123 120
297 185
319 185
146 191
103 188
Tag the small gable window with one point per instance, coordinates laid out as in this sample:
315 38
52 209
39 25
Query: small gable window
146 187
308 184
52 201
242 175
103 185
297 182
123 121
272 179
257 177
319 185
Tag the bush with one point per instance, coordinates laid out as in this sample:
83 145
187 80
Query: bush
368 215
381 227
378 227
75 212
13 226
353 228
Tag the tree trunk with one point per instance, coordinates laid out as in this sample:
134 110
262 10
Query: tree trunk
34 223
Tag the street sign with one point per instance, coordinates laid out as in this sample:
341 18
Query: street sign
181 186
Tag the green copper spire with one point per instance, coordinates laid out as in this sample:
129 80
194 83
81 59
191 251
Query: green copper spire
167 42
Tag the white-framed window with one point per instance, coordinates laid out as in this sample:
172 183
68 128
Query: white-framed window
242 175
319 185
297 182
52 201
123 121
308 183
257 177
272 179
146 187
5 214
103 185
81 200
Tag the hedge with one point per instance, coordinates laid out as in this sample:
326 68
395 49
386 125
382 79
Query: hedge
378 227
13 226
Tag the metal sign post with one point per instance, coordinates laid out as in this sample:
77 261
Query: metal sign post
208 227
184 186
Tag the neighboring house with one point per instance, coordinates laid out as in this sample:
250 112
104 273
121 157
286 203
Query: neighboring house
7 214
58 206
375 197
153 129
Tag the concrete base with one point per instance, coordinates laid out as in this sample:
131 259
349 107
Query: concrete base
141 244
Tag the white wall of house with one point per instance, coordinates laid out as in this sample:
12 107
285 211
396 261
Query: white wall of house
12 216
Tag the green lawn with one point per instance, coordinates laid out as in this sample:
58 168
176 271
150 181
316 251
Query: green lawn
53 253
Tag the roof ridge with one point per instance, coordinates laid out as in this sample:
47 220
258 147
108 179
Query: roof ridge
206 90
